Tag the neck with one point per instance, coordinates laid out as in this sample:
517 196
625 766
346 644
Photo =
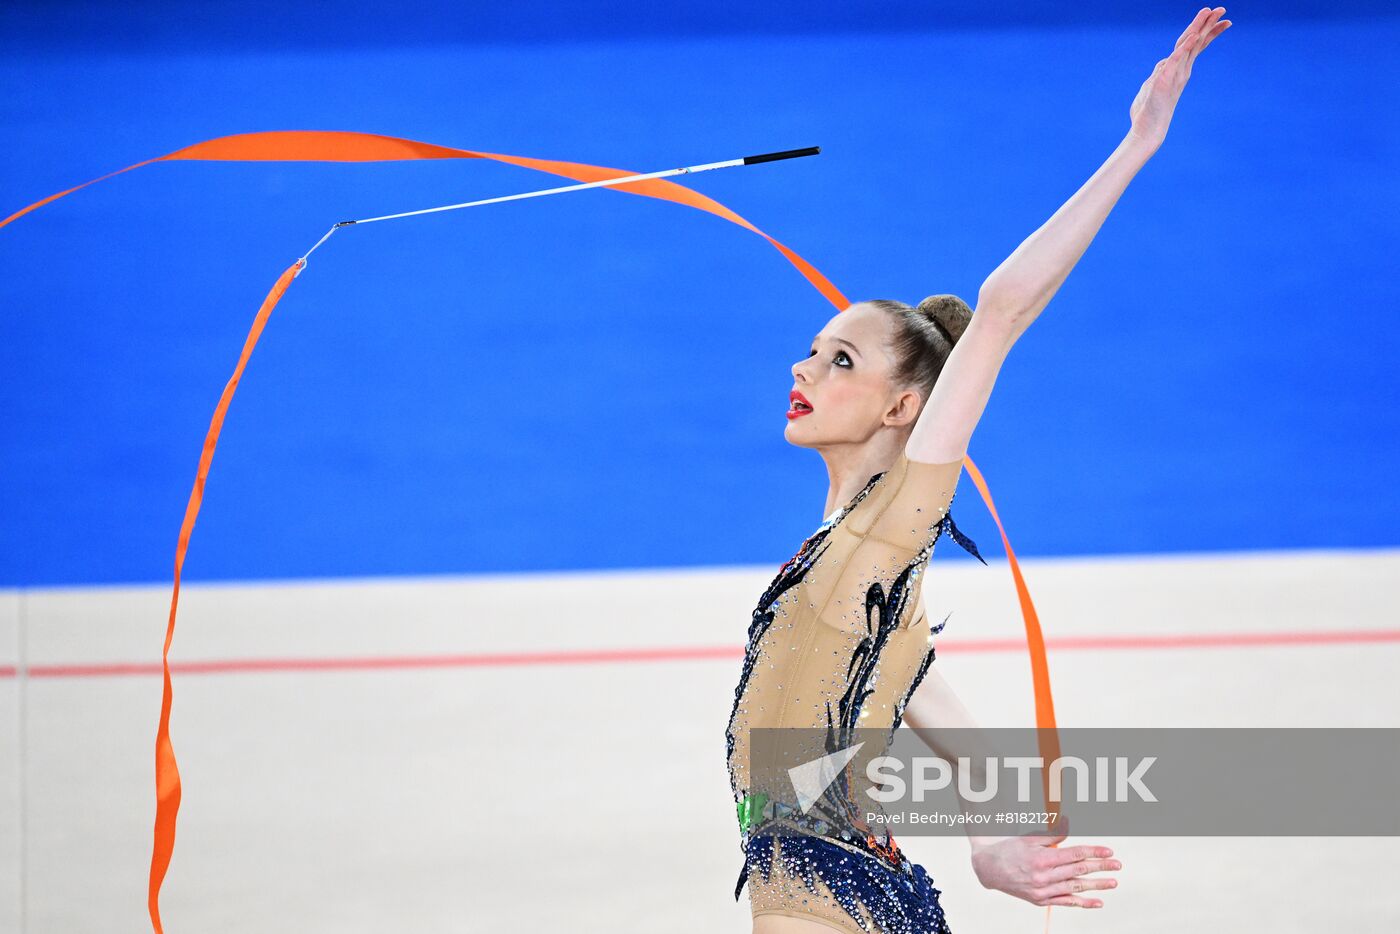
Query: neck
850 466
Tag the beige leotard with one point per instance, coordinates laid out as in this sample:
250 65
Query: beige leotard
841 635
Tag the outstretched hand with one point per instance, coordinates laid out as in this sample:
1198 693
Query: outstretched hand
1151 111
1031 868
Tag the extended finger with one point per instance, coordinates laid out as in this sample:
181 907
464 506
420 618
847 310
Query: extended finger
1073 887
1195 24
1185 55
1075 901
1208 38
1220 27
1185 50
1190 40
1207 30
1080 868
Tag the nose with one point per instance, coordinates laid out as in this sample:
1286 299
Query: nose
798 373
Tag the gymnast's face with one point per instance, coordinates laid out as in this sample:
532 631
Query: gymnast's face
843 390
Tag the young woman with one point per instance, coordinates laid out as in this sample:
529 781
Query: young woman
889 396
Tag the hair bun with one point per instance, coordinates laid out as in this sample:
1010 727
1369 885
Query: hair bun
949 312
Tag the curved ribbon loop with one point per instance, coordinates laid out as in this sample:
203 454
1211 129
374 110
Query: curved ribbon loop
344 146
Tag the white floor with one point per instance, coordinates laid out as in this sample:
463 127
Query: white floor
593 796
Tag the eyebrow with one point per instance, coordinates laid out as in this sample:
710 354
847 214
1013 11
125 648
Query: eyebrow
842 340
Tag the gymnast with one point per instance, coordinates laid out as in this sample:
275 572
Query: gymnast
889 396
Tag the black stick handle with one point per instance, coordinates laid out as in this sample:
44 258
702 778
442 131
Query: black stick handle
786 154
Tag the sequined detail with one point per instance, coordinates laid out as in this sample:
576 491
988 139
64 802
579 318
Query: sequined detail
839 641
963 541
812 873
788 576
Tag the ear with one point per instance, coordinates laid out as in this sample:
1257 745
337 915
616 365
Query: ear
904 409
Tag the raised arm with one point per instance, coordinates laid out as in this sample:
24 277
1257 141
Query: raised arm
1020 288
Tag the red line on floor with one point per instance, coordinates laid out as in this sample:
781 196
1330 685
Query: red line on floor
683 653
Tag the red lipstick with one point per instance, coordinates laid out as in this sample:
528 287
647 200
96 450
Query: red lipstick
798 405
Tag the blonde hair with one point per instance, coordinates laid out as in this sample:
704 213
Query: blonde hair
924 336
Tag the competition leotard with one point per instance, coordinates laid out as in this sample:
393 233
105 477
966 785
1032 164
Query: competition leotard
840 638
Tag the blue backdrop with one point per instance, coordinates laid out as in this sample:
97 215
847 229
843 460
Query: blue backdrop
598 380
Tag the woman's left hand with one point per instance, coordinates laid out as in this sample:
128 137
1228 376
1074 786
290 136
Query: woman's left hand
1151 111
1031 868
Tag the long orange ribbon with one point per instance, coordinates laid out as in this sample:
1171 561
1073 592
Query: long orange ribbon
339 146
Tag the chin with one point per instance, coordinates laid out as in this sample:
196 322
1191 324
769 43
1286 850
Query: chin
795 437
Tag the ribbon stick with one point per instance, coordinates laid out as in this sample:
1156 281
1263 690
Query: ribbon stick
342 146
626 179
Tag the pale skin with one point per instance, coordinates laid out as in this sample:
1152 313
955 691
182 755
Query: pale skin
861 419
